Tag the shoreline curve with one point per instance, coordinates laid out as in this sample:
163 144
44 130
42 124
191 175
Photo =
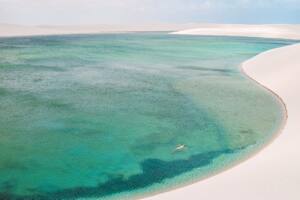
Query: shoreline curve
254 177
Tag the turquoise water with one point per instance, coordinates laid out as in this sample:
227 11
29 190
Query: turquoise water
100 116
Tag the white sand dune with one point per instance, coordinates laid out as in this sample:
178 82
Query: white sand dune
266 31
274 173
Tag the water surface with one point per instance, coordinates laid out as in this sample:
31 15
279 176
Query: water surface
100 116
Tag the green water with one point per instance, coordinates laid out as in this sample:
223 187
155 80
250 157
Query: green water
100 116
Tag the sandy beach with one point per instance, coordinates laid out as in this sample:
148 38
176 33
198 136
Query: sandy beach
274 172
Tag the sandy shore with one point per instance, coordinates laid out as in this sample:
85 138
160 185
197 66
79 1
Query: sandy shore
273 174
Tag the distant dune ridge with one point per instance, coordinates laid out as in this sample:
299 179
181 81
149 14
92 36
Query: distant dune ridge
267 31
9 30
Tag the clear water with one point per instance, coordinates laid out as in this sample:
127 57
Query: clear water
95 116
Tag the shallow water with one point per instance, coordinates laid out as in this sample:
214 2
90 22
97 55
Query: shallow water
95 116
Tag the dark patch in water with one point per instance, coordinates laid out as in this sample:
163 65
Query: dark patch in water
248 131
208 71
153 171
12 165
153 141
3 92
205 69
7 186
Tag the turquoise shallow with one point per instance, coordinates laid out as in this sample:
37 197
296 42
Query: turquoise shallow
101 116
